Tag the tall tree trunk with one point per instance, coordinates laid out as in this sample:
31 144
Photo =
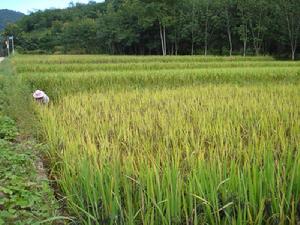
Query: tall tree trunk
162 32
293 34
176 47
244 32
175 43
293 25
206 31
230 42
245 39
205 39
193 24
165 43
161 39
229 32
293 48
293 55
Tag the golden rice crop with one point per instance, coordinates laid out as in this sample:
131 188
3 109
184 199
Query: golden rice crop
216 154
123 67
91 59
56 83
161 140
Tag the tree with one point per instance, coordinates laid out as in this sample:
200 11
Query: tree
79 36
291 16
160 12
228 7
258 21
164 26
243 28
209 16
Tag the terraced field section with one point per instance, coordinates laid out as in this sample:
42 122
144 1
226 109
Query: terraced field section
171 140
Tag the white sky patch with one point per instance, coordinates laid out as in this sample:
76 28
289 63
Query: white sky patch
26 6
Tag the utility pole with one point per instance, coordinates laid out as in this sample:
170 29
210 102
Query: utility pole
11 40
7 46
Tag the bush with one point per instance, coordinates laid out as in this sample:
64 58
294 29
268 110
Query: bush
8 130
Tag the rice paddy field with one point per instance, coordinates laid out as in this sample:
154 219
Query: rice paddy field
171 140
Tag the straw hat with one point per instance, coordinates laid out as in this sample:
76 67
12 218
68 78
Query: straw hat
38 94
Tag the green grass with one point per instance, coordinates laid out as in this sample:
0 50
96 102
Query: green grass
26 197
171 140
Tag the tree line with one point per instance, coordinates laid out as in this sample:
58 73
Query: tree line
168 27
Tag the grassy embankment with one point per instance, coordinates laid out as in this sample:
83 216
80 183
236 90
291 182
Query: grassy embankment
25 195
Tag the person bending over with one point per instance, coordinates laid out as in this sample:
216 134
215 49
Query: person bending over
41 97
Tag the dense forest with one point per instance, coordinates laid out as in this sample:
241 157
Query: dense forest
218 27
8 16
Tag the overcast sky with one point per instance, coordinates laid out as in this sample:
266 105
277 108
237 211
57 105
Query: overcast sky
25 6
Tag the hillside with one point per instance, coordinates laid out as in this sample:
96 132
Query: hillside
8 16
166 27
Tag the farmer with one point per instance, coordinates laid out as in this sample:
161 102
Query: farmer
41 97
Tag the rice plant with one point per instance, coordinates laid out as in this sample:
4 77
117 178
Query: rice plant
172 144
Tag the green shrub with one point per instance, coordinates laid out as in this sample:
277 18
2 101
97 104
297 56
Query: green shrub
8 130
